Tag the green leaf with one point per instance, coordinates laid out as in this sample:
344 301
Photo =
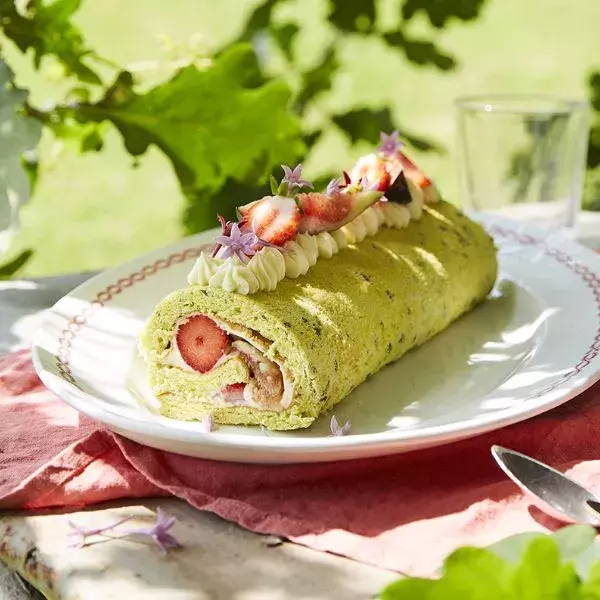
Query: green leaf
571 542
30 163
512 548
574 540
353 15
366 124
591 587
284 35
318 79
207 122
522 567
205 204
283 189
9 269
84 137
439 13
475 573
591 190
541 575
274 185
593 157
409 589
420 52
46 29
258 20
312 137
92 141
469 574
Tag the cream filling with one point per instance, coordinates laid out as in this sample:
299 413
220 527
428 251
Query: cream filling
244 334
173 358
270 265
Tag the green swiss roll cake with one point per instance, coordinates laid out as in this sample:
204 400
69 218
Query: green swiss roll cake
283 357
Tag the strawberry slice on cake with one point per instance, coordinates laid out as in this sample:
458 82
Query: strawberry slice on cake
201 343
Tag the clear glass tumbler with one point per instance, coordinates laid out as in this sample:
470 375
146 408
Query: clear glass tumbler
523 156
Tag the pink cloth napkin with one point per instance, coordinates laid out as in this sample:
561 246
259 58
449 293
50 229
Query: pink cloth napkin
404 512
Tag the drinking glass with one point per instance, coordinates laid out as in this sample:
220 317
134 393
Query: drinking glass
523 156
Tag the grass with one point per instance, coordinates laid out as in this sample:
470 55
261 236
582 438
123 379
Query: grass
95 211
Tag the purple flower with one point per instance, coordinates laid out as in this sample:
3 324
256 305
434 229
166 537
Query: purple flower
208 423
293 179
225 230
159 532
366 186
238 243
79 534
333 187
390 144
337 429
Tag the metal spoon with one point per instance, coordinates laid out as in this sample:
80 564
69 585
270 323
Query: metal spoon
551 491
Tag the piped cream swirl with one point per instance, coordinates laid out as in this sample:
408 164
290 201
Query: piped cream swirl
326 244
204 268
234 276
269 265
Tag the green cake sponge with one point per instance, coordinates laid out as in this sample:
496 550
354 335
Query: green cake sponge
334 326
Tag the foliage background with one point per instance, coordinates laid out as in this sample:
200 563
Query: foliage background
93 210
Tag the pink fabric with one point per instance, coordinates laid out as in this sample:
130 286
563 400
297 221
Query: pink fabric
404 512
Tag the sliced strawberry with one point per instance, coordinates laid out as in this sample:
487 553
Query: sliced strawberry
274 219
234 392
244 210
374 168
323 212
201 342
412 171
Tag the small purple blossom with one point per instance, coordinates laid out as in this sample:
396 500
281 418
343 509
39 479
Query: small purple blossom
159 532
333 187
293 178
207 423
225 230
79 534
239 243
390 144
337 429
366 186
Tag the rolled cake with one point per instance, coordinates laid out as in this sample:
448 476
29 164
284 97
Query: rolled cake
255 345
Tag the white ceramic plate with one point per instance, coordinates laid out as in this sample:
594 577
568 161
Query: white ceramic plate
531 346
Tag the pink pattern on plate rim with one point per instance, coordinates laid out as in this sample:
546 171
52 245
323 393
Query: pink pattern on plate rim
104 296
591 280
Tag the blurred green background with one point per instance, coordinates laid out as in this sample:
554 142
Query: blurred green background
92 211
